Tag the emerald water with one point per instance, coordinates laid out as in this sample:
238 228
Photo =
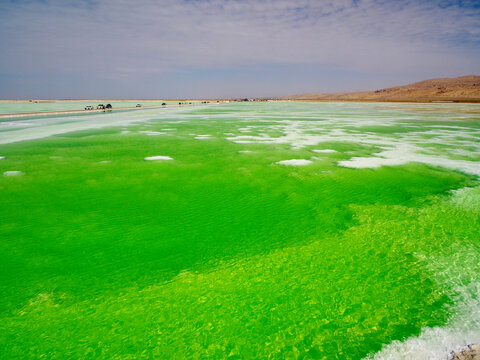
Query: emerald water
262 230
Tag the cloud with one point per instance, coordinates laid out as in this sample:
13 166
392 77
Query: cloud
138 38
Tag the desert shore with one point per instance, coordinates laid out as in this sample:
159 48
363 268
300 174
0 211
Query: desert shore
465 89
73 112
67 112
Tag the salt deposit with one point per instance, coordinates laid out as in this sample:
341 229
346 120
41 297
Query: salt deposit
159 157
325 151
46 126
203 137
152 133
294 162
406 153
12 173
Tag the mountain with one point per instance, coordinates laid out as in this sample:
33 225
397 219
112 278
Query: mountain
461 89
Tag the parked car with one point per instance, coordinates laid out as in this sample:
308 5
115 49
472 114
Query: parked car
138 105
109 106
100 106
89 107
163 104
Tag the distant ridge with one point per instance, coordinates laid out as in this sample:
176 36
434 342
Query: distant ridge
460 89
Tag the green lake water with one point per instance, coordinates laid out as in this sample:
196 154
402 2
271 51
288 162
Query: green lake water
264 231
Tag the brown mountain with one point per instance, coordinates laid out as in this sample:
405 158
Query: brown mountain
461 89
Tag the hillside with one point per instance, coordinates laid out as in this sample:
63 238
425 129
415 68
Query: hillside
464 89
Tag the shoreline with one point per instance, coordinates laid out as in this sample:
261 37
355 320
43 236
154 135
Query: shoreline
75 112
67 112
102 100
85 112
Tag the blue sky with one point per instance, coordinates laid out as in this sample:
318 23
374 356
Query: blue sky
232 48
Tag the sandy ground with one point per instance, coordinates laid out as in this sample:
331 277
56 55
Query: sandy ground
461 89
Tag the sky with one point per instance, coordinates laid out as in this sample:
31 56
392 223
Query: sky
230 48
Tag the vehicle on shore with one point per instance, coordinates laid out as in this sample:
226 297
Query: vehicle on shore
89 107
100 106
138 105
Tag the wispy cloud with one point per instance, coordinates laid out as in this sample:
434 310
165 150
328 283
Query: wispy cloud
148 38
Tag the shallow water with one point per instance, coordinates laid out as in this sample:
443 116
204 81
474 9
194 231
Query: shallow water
274 230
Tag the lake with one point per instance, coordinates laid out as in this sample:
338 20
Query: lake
243 230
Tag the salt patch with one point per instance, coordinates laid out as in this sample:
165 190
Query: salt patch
203 137
104 162
294 162
152 133
245 151
2 157
160 157
12 173
370 162
403 154
325 151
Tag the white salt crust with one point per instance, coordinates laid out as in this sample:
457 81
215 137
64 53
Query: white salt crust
325 151
294 162
159 157
152 133
12 173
